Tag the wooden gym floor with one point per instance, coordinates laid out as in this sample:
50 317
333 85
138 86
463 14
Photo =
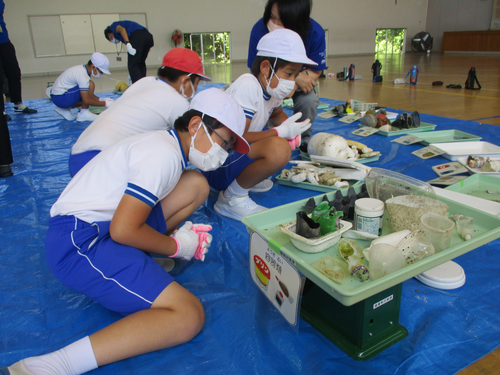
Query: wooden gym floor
482 105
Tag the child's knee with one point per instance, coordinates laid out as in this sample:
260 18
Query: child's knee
280 152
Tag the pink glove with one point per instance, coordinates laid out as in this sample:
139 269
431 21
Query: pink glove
192 240
294 142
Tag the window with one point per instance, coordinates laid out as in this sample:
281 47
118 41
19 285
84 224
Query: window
390 41
214 51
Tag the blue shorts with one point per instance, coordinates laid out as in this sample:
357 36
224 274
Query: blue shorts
222 177
78 161
68 99
85 258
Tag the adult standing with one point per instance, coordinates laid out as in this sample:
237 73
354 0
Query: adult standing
138 41
9 67
295 15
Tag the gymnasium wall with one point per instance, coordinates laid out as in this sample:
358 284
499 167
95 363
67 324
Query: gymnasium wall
351 24
457 15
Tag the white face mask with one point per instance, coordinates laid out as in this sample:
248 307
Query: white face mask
271 26
115 41
98 75
192 88
210 160
284 88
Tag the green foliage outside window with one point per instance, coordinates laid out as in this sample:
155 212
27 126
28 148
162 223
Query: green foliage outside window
213 48
389 41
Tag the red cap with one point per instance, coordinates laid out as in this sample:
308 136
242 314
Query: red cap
186 60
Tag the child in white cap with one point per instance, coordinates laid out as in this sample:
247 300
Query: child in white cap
280 57
152 103
74 88
124 206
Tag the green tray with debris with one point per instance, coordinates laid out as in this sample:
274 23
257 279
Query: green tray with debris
309 186
445 136
424 127
480 186
267 224
305 156
96 110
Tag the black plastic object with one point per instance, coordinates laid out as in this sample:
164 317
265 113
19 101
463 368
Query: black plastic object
471 79
407 120
307 227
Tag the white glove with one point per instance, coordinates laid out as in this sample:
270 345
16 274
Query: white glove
131 49
192 240
109 102
290 128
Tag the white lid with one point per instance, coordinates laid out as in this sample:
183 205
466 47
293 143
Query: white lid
369 207
448 275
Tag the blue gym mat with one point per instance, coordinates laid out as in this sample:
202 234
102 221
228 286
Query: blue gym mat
243 334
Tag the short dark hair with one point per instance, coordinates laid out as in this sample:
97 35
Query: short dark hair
294 14
107 31
90 63
182 123
258 60
172 74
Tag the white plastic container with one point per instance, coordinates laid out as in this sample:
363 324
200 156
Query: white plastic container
368 214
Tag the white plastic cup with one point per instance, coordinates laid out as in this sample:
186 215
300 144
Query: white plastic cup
438 230
368 213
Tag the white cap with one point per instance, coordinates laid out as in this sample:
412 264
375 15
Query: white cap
222 107
284 44
100 61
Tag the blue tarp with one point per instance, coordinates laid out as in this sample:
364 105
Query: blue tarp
243 333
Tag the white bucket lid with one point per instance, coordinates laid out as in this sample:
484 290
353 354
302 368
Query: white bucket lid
448 275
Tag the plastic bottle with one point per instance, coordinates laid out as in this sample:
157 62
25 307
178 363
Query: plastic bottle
368 214
351 72
413 75
376 67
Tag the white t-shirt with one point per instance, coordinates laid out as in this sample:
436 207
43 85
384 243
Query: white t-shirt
75 76
149 104
147 166
257 104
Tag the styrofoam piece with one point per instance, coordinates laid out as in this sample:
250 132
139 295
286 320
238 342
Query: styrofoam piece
455 150
469 200
463 161
314 245
448 275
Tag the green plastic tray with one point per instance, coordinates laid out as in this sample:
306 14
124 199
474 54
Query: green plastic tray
424 127
444 136
266 223
309 186
476 185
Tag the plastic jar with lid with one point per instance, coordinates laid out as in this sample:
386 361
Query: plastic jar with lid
368 213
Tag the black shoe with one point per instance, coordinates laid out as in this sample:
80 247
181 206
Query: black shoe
7 117
5 171
26 110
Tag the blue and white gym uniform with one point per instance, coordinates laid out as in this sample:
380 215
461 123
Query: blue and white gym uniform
149 104
79 249
65 92
258 107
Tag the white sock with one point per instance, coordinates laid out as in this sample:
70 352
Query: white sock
19 106
76 358
235 189
82 111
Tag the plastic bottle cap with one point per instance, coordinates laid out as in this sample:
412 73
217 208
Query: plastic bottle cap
369 207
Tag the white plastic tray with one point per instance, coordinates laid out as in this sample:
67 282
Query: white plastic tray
314 245
455 150
463 161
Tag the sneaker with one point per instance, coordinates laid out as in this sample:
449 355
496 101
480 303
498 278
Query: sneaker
237 206
5 171
7 117
172 265
66 113
25 110
87 116
262 186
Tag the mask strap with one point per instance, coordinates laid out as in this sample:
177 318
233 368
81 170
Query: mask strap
206 130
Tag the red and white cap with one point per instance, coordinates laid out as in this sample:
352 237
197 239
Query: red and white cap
186 60
222 107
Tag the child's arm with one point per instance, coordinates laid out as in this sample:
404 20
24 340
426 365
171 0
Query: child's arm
128 227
